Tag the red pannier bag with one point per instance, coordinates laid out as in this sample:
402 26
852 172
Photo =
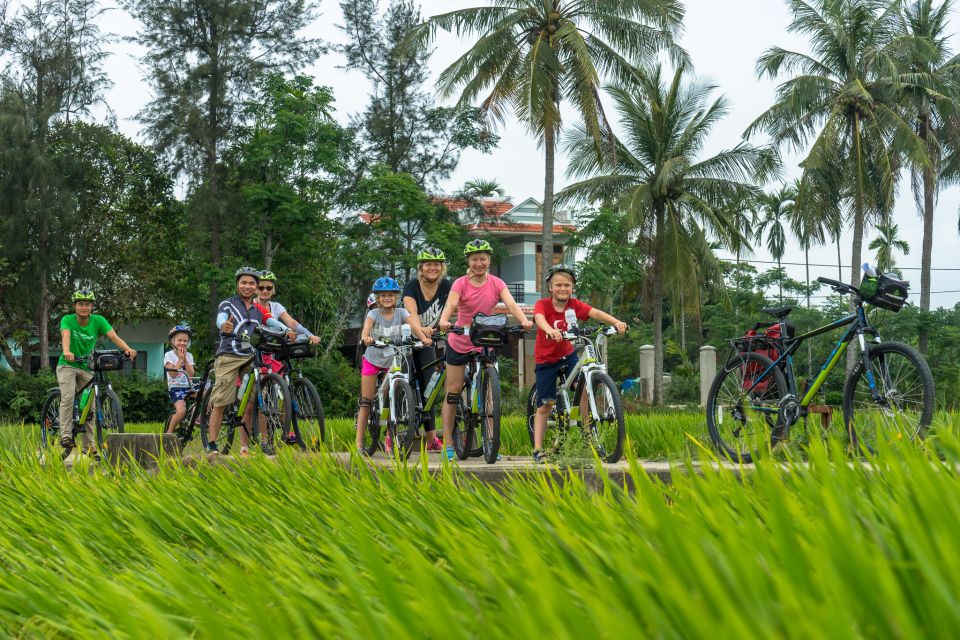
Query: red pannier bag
756 342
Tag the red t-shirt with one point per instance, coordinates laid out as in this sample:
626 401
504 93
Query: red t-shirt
545 350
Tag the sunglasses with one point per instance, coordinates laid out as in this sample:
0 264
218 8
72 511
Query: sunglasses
265 288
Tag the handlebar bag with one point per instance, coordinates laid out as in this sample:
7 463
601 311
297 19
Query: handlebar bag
105 361
488 331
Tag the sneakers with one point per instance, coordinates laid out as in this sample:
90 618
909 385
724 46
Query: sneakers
244 452
212 448
292 438
539 457
266 445
388 445
450 453
436 445
362 452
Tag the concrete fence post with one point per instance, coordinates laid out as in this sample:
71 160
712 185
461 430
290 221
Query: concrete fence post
708 371
646 373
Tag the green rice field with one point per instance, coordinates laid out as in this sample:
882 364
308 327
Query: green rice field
303 546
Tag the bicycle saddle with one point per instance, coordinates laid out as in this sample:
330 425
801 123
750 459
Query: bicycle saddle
779 312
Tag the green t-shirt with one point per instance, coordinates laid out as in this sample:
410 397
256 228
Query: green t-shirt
83 339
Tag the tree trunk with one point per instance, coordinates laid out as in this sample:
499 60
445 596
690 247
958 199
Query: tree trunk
7 352
213 187
43 324
806 258
926 254
546 242
658 310
858 224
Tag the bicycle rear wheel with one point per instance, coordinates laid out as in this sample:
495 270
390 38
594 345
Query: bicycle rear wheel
466 439
905 406
606 429
743 406
50 420
488 421
308 412
404 425
109 416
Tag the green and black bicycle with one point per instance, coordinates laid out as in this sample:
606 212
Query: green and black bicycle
754 400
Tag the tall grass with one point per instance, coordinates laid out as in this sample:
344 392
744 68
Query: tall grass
305 547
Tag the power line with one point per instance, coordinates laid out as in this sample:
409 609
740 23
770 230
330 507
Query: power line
844 266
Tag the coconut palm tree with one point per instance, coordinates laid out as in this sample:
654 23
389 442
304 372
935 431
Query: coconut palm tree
482 188
840 103
839 107
773 216
671 197
928 89
534 55
886 243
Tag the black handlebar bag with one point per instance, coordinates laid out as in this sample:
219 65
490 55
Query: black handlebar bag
488 331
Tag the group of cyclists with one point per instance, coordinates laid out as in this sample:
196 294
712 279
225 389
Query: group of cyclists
425 306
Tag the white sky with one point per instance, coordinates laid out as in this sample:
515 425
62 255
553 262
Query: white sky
724 39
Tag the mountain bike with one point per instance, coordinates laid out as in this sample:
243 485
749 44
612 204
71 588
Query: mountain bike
95 399
265 393
306 410
599 412
754 400
395 403
198 406
476 429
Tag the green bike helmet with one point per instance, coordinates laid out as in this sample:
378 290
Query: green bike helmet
431 254
83 294
268 275
477 246
561 268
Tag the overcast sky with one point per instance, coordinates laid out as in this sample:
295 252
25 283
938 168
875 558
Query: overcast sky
724 39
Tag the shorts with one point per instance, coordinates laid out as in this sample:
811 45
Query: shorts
453 357
179 393
547 377
368 369
227 369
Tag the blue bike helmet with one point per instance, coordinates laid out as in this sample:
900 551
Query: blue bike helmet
180 328
386 284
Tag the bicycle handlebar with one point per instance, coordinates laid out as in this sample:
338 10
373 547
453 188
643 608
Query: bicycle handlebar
839 287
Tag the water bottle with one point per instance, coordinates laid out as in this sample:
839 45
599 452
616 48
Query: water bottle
571 318
404 332
84 396
243 382
384 417
431 385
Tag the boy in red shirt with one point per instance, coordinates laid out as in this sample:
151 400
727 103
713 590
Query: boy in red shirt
551 352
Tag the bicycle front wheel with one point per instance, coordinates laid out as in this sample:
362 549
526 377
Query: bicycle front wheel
743 406
109 415
466 439
403 426
489 416
605 427
308 412
275 409
50 420
904 406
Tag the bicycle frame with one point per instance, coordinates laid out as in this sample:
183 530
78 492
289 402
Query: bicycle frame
388 409
587 367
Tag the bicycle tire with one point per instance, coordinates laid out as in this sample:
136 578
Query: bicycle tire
273 401
50 420
910 397
308 413
725 410
489 417
460 431
109 416
404 425
608 433
554 433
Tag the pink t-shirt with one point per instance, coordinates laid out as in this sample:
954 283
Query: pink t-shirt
473 300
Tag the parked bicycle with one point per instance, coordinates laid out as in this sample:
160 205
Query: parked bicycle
197 407
307 421
395 403
476 429
96 399
268 394
754 400
599 410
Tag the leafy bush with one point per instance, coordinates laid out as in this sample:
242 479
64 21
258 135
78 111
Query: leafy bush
337 382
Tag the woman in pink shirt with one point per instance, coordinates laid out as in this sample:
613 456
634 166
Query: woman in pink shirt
476 292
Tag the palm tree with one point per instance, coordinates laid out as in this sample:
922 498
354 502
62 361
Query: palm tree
886 243
839 106
482 188
534 55
773 214
671 198
928 76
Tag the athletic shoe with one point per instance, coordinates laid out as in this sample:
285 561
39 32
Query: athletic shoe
450 454
267 447
244 452
436 445
388 445
362 452
539 457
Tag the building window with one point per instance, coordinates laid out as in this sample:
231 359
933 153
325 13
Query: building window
557 259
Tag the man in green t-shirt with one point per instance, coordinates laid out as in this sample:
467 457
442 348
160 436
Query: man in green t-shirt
78 336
